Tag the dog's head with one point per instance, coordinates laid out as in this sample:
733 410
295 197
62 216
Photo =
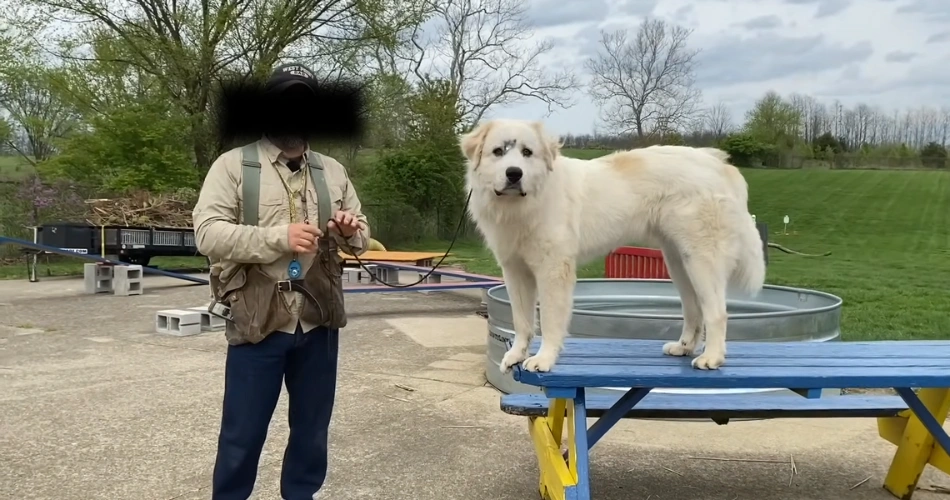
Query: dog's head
509 157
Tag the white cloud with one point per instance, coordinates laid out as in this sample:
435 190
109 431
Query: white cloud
888 53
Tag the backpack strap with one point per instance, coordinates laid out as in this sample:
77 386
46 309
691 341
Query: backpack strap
250 184
324 212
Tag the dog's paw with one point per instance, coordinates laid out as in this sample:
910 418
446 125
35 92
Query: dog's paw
709 361
512 358
540 363
677 349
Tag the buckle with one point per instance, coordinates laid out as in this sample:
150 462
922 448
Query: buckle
283 286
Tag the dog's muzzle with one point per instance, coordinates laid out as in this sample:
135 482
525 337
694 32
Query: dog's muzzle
511 189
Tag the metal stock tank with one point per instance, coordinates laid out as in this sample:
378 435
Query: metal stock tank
650 309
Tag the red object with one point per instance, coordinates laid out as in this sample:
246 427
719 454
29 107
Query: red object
635 262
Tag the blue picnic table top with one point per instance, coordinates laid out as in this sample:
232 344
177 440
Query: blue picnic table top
749 365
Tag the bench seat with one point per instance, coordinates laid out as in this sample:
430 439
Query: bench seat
721 407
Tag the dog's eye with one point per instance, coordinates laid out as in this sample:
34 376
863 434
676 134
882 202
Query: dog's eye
498 152
526 152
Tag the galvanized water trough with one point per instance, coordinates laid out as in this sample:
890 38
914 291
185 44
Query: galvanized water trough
650 309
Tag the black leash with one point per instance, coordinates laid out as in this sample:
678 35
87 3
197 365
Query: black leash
452 243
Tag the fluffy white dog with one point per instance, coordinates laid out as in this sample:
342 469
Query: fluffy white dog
542 213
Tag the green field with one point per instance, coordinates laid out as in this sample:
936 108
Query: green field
888 231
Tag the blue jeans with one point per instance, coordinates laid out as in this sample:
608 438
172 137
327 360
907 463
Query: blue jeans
307 364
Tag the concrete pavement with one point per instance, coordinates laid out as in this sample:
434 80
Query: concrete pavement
94 405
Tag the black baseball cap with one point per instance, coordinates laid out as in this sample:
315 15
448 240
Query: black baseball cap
290 75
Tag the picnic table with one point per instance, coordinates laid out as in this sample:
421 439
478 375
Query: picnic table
912 420
418 259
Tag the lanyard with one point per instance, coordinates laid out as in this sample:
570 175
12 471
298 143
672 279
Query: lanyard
294 270
302 190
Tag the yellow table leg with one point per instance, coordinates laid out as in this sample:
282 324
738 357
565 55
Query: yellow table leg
916 447
555 477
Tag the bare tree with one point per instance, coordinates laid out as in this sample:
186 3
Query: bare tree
644 83
483 48
718 120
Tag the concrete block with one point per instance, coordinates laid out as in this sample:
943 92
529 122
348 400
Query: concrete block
366 275
386 275
433 278
97 277
178 322
127 280
351 276
209 322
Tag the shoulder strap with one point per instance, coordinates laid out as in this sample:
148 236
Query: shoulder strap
250 183
323 193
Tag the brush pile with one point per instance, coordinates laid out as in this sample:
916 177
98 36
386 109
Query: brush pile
142 208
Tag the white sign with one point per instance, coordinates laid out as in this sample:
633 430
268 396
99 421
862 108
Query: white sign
753 217
785 220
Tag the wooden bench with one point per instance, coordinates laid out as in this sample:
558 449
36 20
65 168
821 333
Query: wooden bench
419 259
912 420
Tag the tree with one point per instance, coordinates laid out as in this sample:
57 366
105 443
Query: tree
482 48
187 46
774 121
645 83
36 111
934 155
140 145
718 120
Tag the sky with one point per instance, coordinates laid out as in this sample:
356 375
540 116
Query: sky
893 54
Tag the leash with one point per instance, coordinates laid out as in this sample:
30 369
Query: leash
451 244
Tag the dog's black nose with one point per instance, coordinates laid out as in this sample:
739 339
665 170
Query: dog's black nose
513 174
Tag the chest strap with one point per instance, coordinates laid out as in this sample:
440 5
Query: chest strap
251 188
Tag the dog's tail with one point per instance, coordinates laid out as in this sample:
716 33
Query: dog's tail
749 272
716 153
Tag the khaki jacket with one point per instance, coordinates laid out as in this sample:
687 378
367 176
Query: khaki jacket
229 245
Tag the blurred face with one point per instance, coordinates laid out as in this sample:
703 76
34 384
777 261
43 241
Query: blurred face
288 125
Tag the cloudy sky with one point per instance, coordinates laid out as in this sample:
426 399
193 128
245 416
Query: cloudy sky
887 53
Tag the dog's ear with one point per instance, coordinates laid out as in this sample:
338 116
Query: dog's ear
552 146
473 142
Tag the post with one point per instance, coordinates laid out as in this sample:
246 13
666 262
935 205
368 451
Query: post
764 235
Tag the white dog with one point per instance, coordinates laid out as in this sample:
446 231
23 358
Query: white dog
542 213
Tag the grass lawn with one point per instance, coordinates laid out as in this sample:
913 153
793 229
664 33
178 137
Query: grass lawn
55 265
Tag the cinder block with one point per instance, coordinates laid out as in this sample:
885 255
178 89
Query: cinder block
97 277
209 322
432 278
385 275
127 280
178 322
366 275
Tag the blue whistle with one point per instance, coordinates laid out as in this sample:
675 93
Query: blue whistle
294 269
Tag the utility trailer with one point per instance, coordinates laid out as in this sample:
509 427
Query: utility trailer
133 245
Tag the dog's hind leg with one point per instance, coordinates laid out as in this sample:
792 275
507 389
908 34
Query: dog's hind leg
692 315
523 292
556 280
709 280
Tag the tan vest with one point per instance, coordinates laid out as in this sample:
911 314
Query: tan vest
257 308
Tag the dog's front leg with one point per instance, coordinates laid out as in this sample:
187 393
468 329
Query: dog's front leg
556 280
523 292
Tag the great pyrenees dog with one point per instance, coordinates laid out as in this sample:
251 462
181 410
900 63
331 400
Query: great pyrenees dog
542 213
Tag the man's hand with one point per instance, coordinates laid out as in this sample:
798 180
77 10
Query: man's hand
303 237
344 223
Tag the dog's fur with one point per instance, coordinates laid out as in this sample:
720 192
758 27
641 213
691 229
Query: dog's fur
689 202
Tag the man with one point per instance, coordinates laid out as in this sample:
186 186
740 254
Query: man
280 275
